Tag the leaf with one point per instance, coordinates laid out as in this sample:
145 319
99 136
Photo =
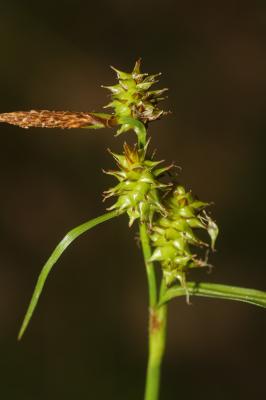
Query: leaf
214 290
58 251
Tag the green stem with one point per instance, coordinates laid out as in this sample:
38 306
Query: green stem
157 323
157 337
60 248
152 285
138 127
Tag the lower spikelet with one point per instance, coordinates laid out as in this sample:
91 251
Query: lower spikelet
138 188
54 119
174 237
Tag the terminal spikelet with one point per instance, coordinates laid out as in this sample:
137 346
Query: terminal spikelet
132 97
174 239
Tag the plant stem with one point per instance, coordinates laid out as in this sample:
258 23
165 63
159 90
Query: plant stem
152 285
157 323
157 330
157 336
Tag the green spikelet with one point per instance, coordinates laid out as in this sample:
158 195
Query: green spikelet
137 190
132 97
174 239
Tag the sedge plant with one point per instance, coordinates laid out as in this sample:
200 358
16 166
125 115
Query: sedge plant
175 229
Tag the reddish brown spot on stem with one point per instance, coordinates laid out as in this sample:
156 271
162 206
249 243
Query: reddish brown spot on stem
155 323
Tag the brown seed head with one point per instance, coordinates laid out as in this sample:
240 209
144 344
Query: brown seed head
54 119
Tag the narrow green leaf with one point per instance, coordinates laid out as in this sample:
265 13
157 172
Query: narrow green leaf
252 296
58 251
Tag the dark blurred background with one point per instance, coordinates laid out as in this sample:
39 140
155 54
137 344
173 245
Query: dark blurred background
88 337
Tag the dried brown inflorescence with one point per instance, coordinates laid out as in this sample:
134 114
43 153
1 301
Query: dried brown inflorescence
55 119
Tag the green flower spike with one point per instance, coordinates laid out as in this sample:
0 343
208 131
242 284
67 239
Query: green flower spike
138 186
132 97
174 235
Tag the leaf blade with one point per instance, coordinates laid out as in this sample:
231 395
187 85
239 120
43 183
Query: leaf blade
213 290
58 251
